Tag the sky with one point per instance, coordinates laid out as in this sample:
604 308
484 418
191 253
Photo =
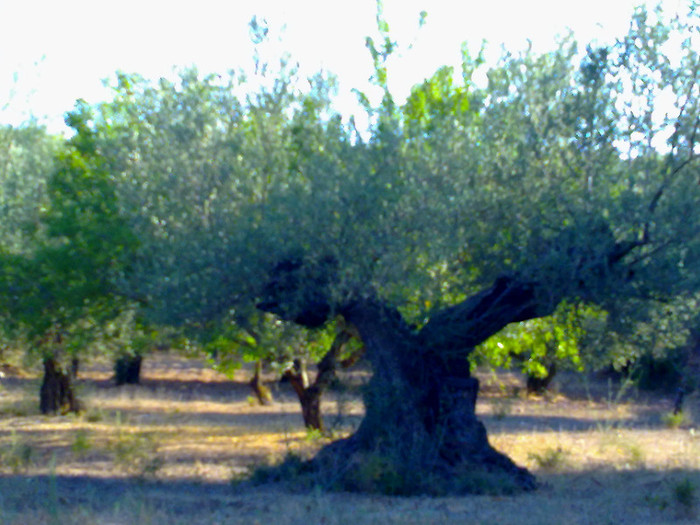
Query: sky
53 52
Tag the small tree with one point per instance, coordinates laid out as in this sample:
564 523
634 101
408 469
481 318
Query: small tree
61 288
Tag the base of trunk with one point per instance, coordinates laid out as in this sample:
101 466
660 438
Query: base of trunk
452 456
56 394
347 465
407 457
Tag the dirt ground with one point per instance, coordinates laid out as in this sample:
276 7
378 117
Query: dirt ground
167 451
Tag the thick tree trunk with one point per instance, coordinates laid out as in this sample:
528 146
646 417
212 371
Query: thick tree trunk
127 370
309 397
420 433
262 392
56 394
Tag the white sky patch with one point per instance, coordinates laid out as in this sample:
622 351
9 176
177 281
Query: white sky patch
62 50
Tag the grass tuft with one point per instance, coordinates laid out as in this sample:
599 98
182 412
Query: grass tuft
550 459
672 420
136 454
81 442
18 455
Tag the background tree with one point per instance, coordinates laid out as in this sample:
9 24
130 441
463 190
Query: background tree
287 349
60 289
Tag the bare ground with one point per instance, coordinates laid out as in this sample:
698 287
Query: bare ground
166 451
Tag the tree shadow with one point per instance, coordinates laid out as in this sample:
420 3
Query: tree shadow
581 497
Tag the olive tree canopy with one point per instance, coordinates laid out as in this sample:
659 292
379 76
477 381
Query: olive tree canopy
570 175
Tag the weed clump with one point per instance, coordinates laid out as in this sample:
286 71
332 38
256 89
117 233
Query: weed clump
293 470
18 455
136 454
674 420
550 459
81 442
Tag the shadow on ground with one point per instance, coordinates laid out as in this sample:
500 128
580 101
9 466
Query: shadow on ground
575 498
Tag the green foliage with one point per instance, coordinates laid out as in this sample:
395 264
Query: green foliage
648 341
540 172
263 336
431 104
64 281
27 158
538 343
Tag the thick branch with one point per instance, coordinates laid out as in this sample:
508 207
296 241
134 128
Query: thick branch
461 327
510 299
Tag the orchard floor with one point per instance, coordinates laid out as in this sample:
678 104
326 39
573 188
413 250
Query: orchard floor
166 451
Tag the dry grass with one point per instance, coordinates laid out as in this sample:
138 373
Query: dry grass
166 451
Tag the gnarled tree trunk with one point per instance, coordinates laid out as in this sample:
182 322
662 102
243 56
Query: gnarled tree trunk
420 431
56 393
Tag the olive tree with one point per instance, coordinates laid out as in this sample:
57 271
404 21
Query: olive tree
572 176
58 270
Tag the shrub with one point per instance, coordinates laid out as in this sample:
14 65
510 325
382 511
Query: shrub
674 420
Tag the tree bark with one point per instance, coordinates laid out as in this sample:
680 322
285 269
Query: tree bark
310 394
74 368
56 394
420 422
127 370
262 393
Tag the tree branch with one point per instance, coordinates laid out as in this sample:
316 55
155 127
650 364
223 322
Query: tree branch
461 327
